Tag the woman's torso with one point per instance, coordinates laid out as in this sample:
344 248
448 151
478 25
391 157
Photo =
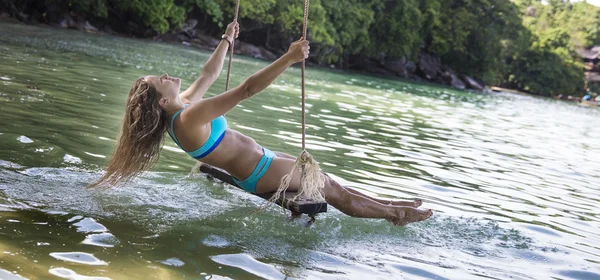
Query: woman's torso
236 153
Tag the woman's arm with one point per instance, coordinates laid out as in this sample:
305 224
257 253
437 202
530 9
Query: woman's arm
212 68
208 109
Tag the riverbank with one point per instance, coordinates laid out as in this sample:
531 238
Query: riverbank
427 68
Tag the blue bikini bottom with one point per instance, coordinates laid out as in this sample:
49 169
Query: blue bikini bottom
249 184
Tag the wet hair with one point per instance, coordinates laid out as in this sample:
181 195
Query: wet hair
141 138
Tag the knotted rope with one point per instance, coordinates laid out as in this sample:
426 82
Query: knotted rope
312 180
235 18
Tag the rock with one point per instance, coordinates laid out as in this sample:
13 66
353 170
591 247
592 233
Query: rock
200 44
247 49
86 26
415 77
449 77
362 63
410 67
66 22
397 67
472 83
456 82
374 67
205 41
267 54
253 51
429 66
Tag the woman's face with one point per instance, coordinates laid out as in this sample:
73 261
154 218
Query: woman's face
168 87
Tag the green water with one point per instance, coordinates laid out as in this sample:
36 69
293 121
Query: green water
513 180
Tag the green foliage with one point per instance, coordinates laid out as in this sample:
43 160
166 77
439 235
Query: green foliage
348 24
212 8
580 20
160 15
543 72
518 43
396 30
473 36
548 66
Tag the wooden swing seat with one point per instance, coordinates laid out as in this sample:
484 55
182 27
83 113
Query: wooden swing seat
299 206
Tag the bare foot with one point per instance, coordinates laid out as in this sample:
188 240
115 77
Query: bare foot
407 215
416 203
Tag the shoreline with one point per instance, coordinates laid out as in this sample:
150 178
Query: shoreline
173 38
402 70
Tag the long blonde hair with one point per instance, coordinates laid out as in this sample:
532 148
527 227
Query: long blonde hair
141 137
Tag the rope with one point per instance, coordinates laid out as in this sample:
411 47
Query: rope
303 69
312 180
235 18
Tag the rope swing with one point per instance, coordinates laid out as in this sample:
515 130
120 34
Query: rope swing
312 180
235 19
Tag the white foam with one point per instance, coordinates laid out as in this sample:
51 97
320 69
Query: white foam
71 159
24 139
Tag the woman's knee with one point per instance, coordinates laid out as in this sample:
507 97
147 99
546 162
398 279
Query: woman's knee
333 190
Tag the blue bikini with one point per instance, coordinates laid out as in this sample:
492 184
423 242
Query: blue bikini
217 132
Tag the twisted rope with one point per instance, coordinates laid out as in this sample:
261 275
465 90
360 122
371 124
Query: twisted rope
312 180
235 19
303 69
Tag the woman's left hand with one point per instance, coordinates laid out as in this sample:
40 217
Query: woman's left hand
233 30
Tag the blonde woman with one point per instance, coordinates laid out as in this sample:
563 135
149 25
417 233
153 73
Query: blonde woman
197 125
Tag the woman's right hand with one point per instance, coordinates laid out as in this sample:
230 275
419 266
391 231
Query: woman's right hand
298 50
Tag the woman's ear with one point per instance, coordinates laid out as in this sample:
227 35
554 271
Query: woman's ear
163 102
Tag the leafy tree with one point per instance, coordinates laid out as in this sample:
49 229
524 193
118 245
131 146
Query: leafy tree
474 36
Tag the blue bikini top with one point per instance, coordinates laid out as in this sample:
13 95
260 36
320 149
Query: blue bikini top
217 132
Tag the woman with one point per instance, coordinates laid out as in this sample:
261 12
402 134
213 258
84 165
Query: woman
155 106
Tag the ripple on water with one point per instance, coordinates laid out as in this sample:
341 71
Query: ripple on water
418 272
72 275
173 262
580 274
24 139
101 240
7 275
249 264
89 225
78 257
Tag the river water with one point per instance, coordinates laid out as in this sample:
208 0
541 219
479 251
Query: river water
513 179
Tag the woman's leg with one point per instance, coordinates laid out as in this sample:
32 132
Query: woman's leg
415 203
339 197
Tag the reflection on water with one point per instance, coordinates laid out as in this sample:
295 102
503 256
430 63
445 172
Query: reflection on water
511 178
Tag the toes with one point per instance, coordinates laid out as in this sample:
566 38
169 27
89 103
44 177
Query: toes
418 202
424 214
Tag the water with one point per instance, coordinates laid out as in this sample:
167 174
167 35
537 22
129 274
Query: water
512 179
